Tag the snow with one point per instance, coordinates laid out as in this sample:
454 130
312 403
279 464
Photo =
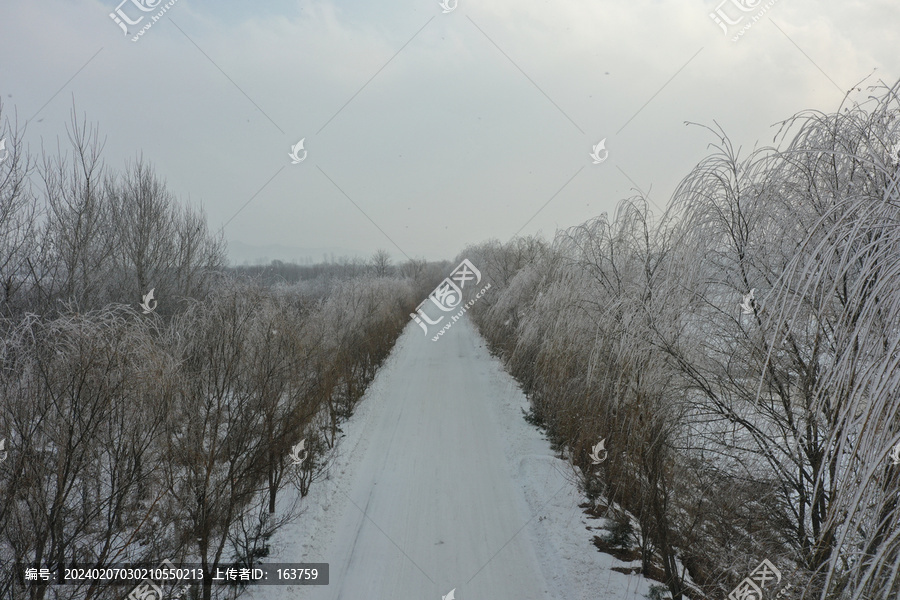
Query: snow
439 483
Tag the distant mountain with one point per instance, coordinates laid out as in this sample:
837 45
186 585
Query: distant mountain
240 253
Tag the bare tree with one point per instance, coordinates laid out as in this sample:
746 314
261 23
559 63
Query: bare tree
159 244
19 224
84 404
78 249
381 263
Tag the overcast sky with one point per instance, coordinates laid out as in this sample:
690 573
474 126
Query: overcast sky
444 128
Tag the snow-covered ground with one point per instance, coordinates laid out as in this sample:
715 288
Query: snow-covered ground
440 484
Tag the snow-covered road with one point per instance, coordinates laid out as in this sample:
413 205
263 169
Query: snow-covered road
439 484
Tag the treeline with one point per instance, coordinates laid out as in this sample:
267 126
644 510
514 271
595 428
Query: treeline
75 235
379 264
739 356
131 436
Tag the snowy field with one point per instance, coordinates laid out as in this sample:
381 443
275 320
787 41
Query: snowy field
440 484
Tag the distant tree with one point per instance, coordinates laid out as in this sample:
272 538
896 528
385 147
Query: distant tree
381 263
